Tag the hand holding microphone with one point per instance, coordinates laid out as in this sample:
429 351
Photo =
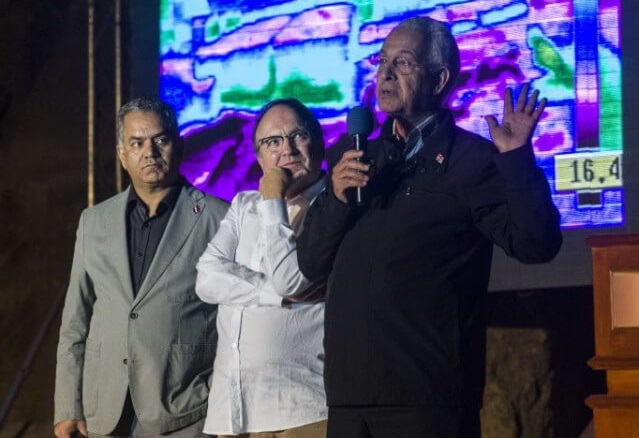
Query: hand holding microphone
350 171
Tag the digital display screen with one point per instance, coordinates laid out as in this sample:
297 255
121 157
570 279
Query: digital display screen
221 61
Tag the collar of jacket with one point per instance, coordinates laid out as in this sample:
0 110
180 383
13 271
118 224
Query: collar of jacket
437 137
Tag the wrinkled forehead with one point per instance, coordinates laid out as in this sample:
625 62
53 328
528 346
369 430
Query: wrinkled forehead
280 119
143 122
404 40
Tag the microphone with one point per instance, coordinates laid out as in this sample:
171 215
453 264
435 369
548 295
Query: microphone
359 124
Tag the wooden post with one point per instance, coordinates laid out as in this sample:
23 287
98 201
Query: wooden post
615 266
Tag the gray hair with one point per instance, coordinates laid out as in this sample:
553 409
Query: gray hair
152 105
441 48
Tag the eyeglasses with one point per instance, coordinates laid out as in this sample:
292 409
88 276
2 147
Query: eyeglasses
401 64
274 143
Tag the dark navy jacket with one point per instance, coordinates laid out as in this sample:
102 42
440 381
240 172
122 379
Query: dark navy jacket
408 273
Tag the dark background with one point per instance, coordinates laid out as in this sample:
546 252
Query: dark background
43 188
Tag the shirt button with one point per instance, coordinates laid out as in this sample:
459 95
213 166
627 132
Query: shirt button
146 225
125 361
133 315
234 384
234 345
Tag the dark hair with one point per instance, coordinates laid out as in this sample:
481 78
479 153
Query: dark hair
149 104
441 48
305 115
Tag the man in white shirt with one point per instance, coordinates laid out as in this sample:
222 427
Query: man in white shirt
268 372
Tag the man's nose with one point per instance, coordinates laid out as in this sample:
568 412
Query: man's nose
289 147
151 149
386 71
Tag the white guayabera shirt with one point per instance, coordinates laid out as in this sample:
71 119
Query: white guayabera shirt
268 371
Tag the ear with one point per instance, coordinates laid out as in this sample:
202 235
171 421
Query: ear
260 160
120 150
441 79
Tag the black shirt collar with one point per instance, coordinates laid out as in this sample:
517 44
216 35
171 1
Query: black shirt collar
168 203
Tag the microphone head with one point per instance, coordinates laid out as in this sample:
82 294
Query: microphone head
360 121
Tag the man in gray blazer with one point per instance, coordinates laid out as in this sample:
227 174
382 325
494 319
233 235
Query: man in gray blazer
136 344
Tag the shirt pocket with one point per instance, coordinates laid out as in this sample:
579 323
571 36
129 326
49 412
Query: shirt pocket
188 362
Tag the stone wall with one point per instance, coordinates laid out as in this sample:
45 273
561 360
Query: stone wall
519 384
537 379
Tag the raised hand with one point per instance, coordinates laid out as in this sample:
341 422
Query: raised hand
518 123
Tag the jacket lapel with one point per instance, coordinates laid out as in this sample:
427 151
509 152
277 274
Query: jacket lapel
117 246
187 212
437 138
437 143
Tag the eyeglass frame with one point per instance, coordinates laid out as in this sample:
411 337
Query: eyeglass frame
291 139
376 61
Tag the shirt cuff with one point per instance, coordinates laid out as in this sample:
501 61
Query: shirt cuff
272 211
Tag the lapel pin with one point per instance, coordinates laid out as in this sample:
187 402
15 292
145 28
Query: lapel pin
196 209
439 158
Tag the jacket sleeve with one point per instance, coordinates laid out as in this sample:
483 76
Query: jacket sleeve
76 317
328 219
325 225
512 206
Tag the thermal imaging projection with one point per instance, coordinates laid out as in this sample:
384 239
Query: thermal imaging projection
221 61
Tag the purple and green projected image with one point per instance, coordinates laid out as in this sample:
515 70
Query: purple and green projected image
221 61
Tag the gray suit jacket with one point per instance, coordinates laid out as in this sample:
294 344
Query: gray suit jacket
160 344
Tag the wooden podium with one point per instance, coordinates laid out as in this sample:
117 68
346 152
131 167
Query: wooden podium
615 266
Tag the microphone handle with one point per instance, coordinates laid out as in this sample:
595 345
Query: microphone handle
359 141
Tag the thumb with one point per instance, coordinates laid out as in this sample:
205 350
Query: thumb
82 428
491 121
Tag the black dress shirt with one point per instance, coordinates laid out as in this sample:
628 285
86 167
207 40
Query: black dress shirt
144 233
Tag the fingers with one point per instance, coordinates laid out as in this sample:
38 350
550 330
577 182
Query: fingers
279 173
349 155
274 183
82 428
529 106
521 100
540 109
508 101
66 428
532 102
491 121
348 173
